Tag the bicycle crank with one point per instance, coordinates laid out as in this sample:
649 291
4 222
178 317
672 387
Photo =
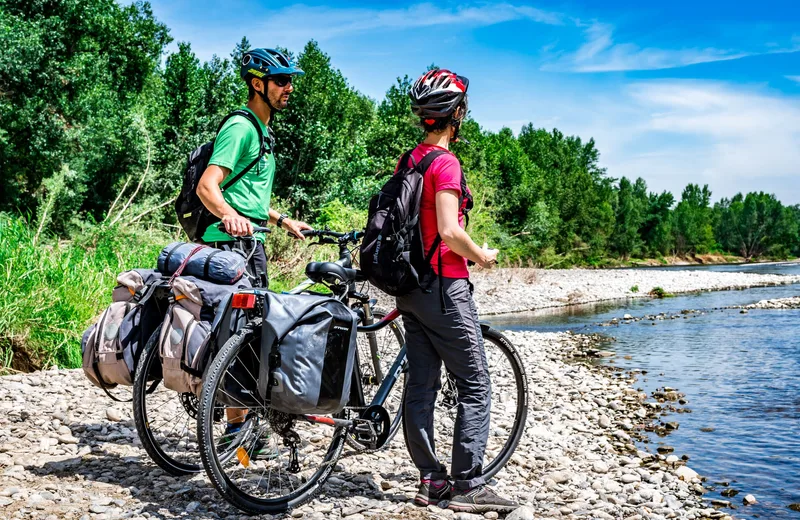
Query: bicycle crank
372 427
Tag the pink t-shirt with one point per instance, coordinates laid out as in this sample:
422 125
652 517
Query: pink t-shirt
444 173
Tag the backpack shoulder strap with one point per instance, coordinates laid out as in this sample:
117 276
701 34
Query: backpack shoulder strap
426 161
262 150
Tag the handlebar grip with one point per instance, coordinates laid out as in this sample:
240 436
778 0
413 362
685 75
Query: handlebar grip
305 233
256 229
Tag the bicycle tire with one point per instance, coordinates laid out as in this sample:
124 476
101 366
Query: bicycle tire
145 385
394 327
208 449
494 465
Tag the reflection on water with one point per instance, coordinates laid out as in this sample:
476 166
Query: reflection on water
740 374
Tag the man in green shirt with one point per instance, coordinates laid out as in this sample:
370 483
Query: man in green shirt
245 203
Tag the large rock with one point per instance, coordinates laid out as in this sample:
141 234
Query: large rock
521 513
686 473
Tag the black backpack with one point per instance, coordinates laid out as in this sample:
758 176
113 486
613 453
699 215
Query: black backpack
392 256
193 216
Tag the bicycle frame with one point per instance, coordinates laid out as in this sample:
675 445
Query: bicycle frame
346 293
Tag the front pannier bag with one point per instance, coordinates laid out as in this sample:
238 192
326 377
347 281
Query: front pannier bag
112 346
309 342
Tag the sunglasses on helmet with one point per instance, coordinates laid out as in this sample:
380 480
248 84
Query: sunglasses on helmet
281 80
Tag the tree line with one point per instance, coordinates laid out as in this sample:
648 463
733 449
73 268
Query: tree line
95 123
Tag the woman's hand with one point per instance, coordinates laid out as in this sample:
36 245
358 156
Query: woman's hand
489 257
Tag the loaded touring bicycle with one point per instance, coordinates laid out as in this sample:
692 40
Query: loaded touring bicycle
289 445
333 377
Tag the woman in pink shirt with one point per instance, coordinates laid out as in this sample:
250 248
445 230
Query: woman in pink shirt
441 319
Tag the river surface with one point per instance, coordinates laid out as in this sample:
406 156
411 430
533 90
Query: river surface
740 374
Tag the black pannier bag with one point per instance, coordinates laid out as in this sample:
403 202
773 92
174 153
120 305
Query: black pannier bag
193 216
308 349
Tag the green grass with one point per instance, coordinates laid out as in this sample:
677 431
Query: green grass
658 292
51 290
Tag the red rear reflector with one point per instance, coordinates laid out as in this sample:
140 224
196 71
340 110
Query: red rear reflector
244 301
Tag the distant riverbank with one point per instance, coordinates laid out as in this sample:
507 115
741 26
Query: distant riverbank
502 291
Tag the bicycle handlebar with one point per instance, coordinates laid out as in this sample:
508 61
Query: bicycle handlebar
256 229
351 236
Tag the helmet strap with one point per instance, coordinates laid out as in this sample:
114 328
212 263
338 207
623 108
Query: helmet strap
455 124
265 98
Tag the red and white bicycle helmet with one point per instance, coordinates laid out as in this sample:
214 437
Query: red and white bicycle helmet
437 93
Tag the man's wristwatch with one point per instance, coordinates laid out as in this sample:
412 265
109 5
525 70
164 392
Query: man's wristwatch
281 218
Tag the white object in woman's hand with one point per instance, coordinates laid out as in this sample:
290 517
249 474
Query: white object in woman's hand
490 256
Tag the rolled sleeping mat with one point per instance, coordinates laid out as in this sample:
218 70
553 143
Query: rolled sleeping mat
209 263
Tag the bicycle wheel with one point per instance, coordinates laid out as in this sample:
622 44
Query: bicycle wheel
509 408
276 461
377 352
165 420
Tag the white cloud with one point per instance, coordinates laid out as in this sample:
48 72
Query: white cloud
794 78
600 53
673 132
750 134
323 23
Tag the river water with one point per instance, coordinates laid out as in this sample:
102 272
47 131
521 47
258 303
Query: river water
740 374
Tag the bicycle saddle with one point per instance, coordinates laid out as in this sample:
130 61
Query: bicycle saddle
329 272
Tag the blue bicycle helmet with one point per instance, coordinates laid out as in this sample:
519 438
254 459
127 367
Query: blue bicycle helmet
263 63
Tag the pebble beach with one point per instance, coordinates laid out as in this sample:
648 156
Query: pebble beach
67 451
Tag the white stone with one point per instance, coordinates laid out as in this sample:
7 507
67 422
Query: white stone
686 473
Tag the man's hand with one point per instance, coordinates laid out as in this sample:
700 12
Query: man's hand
489 257
295 227
237 225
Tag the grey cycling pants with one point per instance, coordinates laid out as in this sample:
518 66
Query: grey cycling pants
452 337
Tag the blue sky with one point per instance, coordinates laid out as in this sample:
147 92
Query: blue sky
675 92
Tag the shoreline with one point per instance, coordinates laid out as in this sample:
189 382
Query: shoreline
505 291
577 456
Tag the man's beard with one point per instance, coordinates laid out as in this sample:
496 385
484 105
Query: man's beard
280 103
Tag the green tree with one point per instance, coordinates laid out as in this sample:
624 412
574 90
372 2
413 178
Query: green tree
754 224
630 208
71 76
692 221
656 229
322 132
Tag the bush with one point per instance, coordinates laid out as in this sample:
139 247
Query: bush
658 292
635 289
52 289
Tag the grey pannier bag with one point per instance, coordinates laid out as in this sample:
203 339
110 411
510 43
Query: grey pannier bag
207 263
112 346
310 342
190 329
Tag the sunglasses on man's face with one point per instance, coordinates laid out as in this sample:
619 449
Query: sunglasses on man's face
281 81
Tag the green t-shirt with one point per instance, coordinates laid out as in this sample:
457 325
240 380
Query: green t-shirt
235 147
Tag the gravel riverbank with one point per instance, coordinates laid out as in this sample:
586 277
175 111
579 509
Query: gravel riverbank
67 452
518 290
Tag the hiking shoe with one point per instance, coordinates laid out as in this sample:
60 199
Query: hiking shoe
241 434
481 499
431 492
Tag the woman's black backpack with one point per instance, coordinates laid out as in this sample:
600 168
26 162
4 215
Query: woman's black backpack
392 256
193 216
